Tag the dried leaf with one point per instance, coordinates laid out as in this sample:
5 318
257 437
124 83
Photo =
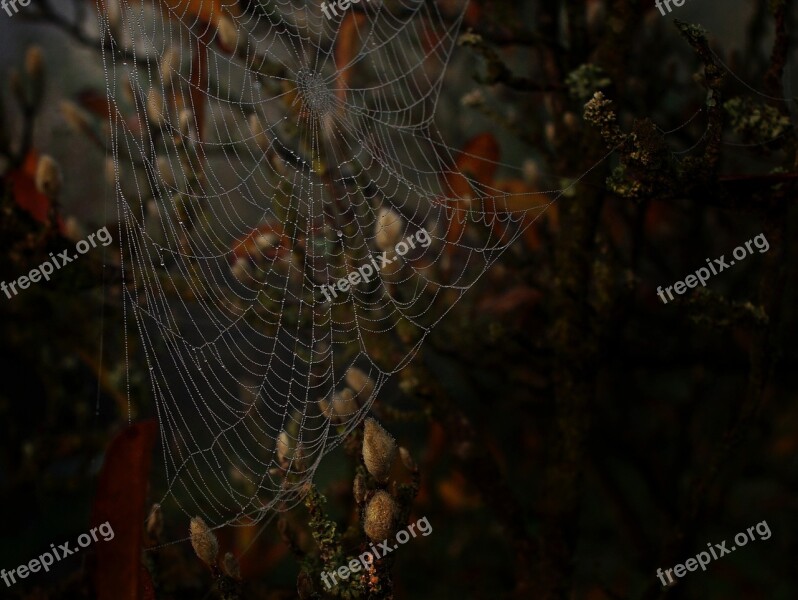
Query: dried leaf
27 197
346 48
477 162
120 500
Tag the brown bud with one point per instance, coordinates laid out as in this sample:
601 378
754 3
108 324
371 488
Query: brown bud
75 117
361 383
407 460
379 516
48 177
570 121
230 36
203 541
304 586
408 382
185 120
110 171
170 65
388 229
73 230
531 171
379 450
283 448
550 131
258 132
473 99
155 522
344 405
166 172
155 107
359 488
324 407
114 14
241 269
231 566
34 63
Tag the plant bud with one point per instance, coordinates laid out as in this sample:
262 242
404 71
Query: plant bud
155 522
48 177
34 61
473 99
204 542
240 269
75 117
169 65
379 516
361 383
531 171
344 405
231 566
388 229
114 14
258 133
165 171
304 586
155 107
359 488
550 131
407 460
283 448
278 163
231 37
379 450
73 230
34 66
185 119
325 408
110 171
571 121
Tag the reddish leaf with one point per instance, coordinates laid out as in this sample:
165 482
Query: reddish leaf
346 48
147 588
456 494
524 197
190 11
510 301
477 161
452 8
121 494
27 197
95 103
247 247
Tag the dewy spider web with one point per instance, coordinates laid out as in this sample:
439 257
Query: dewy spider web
270 162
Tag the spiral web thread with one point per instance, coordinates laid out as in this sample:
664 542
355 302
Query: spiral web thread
261 171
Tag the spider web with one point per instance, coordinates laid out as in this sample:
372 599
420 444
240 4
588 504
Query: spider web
275 152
